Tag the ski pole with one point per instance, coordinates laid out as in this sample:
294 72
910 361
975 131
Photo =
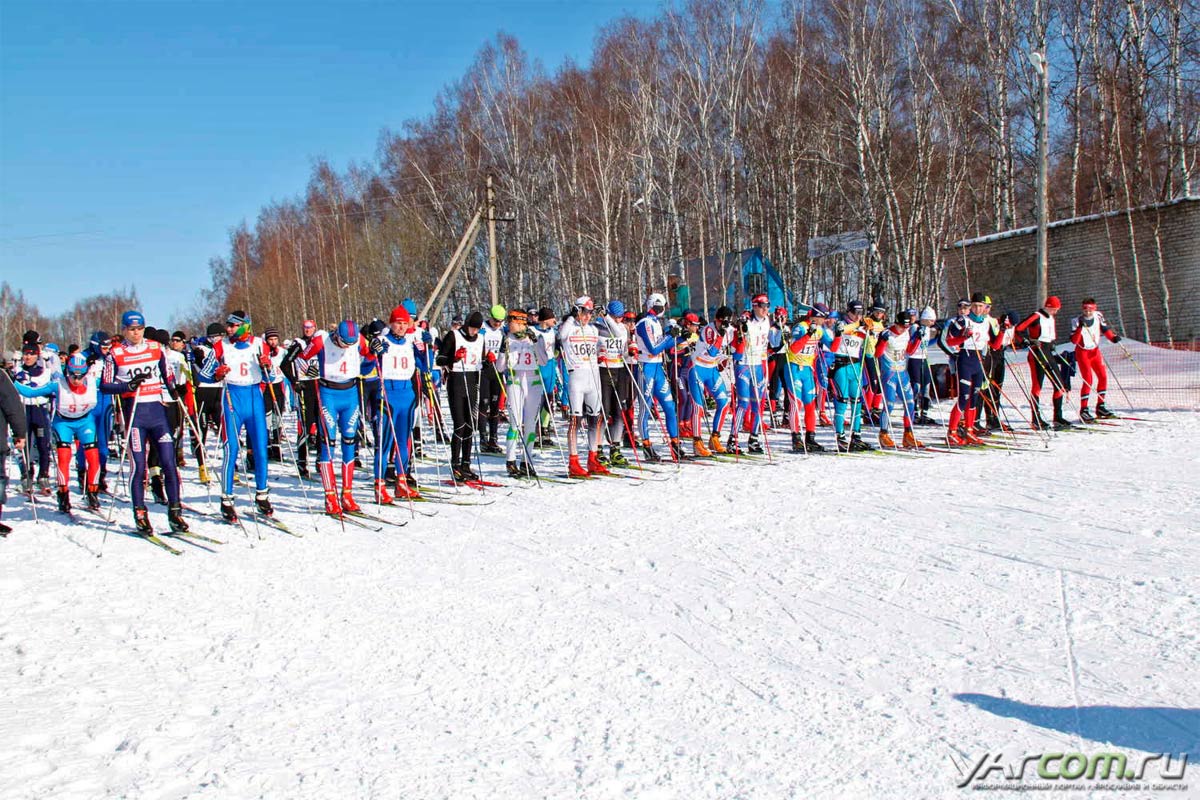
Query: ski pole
295 459
121 467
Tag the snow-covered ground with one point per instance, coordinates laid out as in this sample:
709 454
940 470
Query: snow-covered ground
826 627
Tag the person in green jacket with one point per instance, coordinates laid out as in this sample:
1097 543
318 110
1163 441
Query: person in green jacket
679 295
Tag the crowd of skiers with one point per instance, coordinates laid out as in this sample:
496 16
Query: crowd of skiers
621 378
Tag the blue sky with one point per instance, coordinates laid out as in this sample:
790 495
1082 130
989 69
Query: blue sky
134 135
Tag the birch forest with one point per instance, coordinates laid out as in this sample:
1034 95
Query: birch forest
719 125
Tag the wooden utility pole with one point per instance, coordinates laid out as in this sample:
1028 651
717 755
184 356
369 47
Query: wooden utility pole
492 259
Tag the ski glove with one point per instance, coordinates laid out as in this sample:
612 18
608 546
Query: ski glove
136 381
221 372
1116 338
491 357
294 349
376 346
460 354
314 370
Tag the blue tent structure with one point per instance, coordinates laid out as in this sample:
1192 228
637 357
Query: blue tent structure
734 280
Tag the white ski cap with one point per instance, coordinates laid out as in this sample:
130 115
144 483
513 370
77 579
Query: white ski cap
655 299
928 313
585 303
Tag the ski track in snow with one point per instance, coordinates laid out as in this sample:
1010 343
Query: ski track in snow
797 631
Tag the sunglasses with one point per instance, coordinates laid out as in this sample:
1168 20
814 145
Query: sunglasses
136 328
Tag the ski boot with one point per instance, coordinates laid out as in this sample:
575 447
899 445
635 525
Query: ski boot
103 484
513 470
228 512
381 494
141 521
575 469
732 447
969 435
459 474
1103 412
714 444
157 489
1037 421
616 458
886 441
490 446
754 446
349 505
798 444
857 445
1060 422
824 421
402 491
843 444
92 498
810 441
528 470
594 467
389 474
953 438
175 519
332 507
418 451
649 453
64 501
205 478
27 484
44 486
677 450
302 471
699 449
411 480
1085 414
910 440
262 501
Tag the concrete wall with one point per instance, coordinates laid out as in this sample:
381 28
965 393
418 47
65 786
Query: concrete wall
1093 257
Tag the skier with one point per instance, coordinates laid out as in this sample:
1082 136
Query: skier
304 389
136 369
519 360
275 395
651 343
335 361
99 344
920 378
973 335
546 328
208 398
76 391
709 359
749 351
895 347
399 363
995 368
489 381
806 339
615 382
1086 332
580 348
35 373
241 361
1039 327
850 335
12 416
777 361
461 354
